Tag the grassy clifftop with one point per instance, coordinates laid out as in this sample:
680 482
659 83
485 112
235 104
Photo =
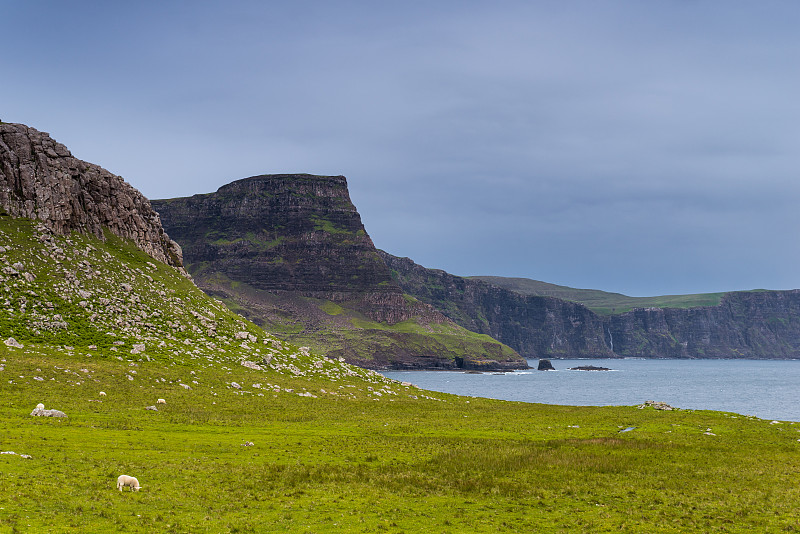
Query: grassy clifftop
601 302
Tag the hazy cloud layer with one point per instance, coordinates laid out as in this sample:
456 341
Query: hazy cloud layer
640 147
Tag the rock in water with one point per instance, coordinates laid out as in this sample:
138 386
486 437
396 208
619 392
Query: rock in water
545 365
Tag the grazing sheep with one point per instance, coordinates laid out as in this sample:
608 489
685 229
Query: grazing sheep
161 401
125 480
40 406
102 393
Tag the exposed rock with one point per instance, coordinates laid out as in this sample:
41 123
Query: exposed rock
40 179
11 342
589 368
545 365
153 408
40 412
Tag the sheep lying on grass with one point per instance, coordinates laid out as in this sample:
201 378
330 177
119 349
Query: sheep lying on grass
131 482
161 401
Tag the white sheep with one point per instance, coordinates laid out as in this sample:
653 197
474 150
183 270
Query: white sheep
131 482
40 406
161 401
102 393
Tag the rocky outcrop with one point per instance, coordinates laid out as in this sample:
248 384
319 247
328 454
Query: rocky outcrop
290 251
748 324
545 365
40 179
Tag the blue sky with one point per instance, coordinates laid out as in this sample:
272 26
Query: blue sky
639 147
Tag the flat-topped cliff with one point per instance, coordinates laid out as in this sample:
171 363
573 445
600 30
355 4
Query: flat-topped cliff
41 179
291 253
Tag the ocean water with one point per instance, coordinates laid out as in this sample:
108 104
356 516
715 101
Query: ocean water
768 389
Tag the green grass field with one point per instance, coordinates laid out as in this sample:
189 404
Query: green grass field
349 460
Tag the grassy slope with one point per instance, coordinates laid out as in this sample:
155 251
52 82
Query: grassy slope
338 449
601 302
329 328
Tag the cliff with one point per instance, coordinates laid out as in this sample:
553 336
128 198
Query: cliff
291 253
40 179
748 324
536 327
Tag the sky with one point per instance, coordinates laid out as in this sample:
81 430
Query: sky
645 148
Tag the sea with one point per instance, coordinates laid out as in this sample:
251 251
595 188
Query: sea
767 389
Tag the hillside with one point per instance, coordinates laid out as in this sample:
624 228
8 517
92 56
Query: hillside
309 444
600 302
291 254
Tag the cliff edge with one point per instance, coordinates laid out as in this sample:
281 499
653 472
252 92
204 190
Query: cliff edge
40 179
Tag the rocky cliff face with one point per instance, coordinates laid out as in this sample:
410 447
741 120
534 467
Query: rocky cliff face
764 324
40 179
536 327
291 252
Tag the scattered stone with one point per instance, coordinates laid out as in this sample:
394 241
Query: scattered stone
39 412
185 386
235 385
657 405
247 444
153 408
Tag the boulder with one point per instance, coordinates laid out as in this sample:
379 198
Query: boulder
39 412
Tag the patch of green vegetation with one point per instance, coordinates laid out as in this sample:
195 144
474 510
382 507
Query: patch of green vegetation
601 302
331 308
324 225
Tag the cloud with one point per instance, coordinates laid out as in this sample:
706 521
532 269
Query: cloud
643 148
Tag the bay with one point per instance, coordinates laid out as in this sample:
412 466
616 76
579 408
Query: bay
768 389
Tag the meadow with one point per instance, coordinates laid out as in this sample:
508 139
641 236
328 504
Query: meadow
366 454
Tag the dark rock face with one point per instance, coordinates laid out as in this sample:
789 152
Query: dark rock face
40 179
545 365
263 229
295 237
536 327
746 324
758 324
